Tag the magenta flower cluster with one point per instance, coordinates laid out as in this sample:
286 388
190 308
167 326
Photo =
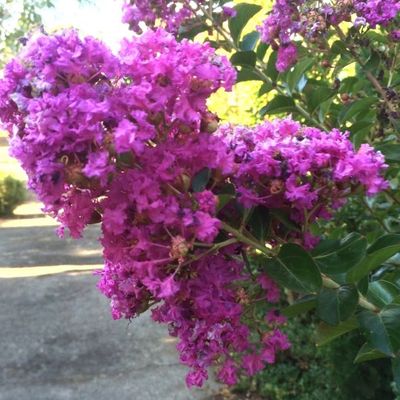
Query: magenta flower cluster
149 13
118 139
303 170
289 18
122 140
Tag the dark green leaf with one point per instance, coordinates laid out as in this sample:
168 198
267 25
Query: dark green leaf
390 151
357 107
382 329
244 12
302 305
223 200
278 105
294 76
295 269
266 87
271 70
396 372
247 74
382 293
261 50
284 219
318 96
367 353
380 251
249 41
244 58
200 180
337 305
327 333
259 223
348 253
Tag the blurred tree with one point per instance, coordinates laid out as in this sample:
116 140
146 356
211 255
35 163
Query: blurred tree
17 17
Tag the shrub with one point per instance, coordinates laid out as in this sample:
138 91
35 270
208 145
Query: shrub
307 373
12 193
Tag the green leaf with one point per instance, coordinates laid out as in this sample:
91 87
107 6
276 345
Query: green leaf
271 70
223 200
278 105
259 222
265 88
295 269
318 96
249 41
348 253
244 58
302 305
294 76
396 372
262 50
247 74
390 151
244 12
355 108
367 353
284 219
381 250
327 333
337 305
382 329
200 180
382 293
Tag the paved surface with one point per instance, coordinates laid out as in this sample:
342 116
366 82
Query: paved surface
57 338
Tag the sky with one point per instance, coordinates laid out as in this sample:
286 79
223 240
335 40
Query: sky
98 18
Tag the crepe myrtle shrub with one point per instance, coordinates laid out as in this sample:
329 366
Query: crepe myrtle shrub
224 231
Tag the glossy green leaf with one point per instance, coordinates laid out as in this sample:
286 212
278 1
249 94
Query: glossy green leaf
381 250
318 96
247 74
357 107
299 70
278 105
265 88
337 305
382 293
295 269
348 253
249 41
244 12
382 329
200 180
390 151
244 58
367 353
262 50
326 333
302 305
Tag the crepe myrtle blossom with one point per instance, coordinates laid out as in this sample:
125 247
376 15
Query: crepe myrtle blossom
121 139
311 20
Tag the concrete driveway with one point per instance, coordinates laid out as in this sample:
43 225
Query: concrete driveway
57 338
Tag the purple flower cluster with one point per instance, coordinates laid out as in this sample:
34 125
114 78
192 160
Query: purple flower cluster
309 173
377 12
123 139
119 140
150 13
289 18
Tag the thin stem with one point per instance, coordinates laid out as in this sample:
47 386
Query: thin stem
211 250
244 239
